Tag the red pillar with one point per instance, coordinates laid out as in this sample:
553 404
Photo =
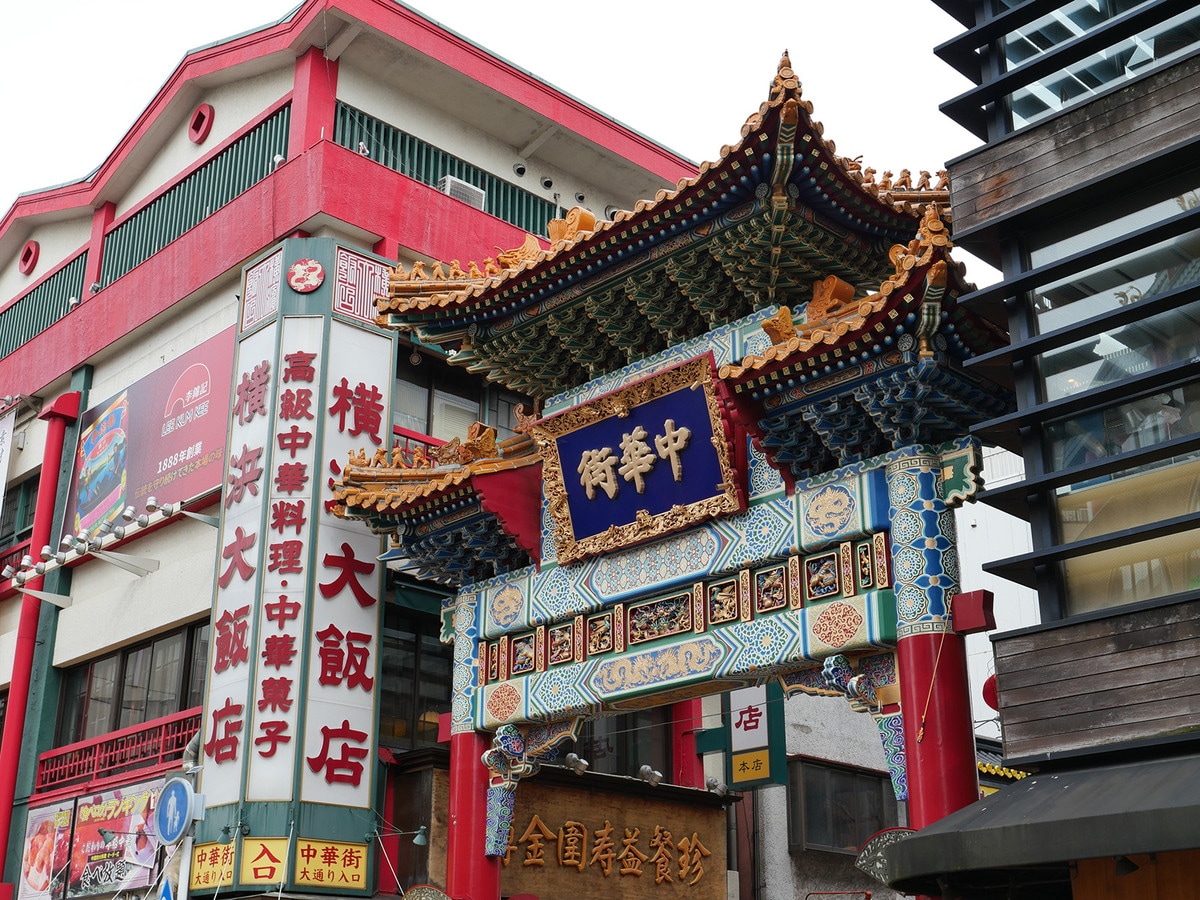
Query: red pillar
57 415
470 874
939 741
687 769
931 658
102 219
314 101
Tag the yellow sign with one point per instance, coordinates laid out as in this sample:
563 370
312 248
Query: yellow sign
212 866
263 860
330 864
753 765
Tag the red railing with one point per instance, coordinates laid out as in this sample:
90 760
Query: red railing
92 762
412 441
12 555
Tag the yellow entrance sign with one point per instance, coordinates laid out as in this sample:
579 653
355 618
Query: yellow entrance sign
330 864
262 860
212 866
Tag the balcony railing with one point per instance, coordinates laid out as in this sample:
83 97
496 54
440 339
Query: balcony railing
37 310
93 762
413 157
12 555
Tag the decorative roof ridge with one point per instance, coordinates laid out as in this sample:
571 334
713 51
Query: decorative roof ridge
392 479
410 292
834 312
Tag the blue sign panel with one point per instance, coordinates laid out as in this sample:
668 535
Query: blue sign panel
173 814
659 456
649 458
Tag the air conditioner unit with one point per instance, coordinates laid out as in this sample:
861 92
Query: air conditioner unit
462 190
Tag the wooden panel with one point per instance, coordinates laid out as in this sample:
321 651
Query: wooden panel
1125 677
1164 876
1080 145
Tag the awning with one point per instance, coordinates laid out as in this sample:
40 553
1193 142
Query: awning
1028 832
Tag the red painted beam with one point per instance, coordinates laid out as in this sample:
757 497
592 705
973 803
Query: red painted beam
325 179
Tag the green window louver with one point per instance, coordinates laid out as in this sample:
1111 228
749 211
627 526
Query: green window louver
233 171
413 157
37 310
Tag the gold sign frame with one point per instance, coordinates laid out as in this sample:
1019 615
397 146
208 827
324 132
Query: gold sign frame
729 494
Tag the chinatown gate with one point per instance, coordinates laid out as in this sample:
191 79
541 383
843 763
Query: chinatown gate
752 431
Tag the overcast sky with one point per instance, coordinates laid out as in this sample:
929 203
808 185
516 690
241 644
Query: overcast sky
74 74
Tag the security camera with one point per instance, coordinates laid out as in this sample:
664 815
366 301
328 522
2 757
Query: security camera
519 169
547 182
579 196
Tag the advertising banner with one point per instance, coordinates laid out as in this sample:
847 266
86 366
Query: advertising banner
126 859
163 436
45 852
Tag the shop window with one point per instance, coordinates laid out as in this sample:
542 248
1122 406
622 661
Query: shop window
135 685
836 808
416 679
3 708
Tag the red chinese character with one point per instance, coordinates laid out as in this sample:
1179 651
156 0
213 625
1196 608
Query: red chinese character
293 440
295 404
286 557
748 718
347 663
299 366
288 514
346 768
336 469
247 463
364 403
279 650
291 477
274 733
282 611
350 568
229 643
224 747
233 552
276 693
251 394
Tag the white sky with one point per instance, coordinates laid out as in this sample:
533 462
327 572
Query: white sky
74 74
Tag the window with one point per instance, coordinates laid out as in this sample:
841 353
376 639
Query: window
135 685
836 808
16 518
416 679
620 745
3 708
434 398
1128 57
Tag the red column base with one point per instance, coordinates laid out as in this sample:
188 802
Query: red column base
939 741
470 874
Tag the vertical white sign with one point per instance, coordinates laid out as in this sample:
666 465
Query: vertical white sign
290 478
6 437
343 675
224 730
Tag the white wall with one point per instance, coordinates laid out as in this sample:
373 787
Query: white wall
462 138
58 242
986 534
168 151
112 607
